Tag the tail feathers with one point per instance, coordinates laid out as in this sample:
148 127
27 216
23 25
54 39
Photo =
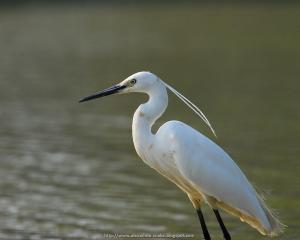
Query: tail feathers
276 226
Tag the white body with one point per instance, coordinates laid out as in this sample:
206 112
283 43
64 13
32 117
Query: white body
203 170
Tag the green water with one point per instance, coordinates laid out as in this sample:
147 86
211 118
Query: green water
69 170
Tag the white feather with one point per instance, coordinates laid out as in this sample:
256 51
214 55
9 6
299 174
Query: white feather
192 106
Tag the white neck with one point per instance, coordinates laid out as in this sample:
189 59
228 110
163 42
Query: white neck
146 115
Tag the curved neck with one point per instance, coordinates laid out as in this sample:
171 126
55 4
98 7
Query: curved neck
146 115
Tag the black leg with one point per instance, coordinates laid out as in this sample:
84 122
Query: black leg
203 225
224 230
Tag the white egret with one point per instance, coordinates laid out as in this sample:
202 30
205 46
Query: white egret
198 166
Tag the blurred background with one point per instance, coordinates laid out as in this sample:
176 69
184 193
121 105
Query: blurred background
69 170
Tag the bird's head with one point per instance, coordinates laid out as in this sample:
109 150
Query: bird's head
138 82
146 82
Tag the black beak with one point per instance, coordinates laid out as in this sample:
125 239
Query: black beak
105 92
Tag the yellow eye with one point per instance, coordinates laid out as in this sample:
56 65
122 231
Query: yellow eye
132 82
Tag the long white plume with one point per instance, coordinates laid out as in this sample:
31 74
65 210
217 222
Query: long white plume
191 106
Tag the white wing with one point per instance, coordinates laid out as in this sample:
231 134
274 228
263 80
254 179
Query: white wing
215 174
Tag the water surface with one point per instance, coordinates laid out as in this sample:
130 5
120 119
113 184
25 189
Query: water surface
69 170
